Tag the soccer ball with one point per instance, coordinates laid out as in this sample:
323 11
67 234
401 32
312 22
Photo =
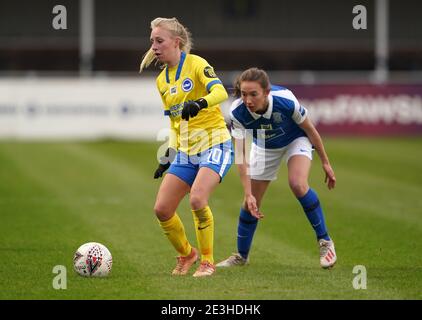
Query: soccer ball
92 259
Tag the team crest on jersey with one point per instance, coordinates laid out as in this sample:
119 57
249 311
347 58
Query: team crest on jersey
277 117
209 72
187 85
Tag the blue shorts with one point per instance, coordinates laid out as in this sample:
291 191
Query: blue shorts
218 158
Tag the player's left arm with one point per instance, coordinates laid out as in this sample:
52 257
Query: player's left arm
316 141
213 85
216 95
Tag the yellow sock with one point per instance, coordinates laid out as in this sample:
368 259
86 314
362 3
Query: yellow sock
175 232
204 227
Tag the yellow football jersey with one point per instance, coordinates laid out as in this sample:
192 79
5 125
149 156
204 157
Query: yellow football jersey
191 79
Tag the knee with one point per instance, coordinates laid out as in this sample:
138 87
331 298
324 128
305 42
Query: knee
299 188
197 201
162 211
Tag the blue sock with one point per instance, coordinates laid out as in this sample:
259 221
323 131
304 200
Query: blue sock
245 231
313 211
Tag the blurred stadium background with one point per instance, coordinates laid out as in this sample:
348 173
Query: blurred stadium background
58 87
354 81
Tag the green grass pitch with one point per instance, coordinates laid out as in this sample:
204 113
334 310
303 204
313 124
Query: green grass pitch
56 196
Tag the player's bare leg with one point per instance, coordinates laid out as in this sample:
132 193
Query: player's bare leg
172 191
259 187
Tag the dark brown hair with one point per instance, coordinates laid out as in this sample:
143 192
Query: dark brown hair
252 74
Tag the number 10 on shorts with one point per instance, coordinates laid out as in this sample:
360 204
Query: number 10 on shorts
215 156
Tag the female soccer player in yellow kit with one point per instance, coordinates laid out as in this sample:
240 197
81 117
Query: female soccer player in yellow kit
199 152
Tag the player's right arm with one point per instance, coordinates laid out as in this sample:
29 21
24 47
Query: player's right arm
238 133
171 151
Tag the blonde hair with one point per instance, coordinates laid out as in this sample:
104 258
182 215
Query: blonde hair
176 29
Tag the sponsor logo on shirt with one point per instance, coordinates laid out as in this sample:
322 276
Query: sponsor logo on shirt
209 72
266 127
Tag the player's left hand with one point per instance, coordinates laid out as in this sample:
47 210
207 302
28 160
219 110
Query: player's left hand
191 108
330 178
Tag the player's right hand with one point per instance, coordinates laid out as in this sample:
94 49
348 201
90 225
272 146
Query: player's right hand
160 170
253 208
165 162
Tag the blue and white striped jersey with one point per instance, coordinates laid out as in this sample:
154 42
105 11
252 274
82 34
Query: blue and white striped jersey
277 127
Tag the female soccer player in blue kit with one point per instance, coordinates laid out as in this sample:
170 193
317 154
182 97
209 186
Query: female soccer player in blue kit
281 130
200 149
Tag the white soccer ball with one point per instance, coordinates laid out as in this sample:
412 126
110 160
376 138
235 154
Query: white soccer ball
92 259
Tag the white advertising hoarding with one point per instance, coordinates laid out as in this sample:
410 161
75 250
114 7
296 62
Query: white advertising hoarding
80 108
